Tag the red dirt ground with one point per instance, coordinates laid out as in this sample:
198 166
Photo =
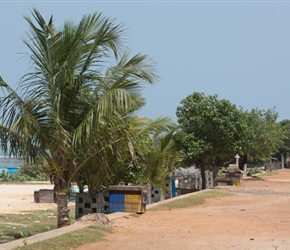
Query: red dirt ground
256 217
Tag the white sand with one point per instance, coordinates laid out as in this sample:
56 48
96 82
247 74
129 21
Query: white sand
18 198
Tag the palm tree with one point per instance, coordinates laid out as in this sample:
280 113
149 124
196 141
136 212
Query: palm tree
119 163
158 157
71 97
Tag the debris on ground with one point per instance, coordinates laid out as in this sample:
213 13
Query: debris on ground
96 218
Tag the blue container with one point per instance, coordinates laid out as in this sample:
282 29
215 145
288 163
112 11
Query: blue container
117 202
116 207
117 198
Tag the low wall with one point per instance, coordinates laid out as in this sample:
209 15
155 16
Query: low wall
44 196
87 203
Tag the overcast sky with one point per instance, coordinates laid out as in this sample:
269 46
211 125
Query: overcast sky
239 50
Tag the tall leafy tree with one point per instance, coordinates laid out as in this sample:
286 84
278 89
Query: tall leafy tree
262 136
81 83
284 149
210 130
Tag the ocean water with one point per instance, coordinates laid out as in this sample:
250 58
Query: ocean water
9 164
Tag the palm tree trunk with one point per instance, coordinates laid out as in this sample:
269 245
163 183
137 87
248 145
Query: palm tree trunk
62 210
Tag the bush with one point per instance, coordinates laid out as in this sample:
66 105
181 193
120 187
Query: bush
26 172
254 171
4 176
221 172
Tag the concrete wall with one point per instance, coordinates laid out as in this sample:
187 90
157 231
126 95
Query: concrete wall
44 196
87 203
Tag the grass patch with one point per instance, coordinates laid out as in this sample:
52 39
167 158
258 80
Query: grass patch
90 234
28 223
192 200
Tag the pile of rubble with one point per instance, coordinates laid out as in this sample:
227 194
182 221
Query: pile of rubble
96 218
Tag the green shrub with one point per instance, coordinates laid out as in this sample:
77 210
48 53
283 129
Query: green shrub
26 172
4 176
221 172
254 171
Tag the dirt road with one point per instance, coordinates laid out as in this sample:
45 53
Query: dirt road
257 216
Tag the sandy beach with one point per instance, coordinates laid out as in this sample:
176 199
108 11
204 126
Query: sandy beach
16 198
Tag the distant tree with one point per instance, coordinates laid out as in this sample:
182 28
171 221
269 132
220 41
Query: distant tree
262 136
210 131
284 149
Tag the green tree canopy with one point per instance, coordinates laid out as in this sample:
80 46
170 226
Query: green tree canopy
213 131
284 149
209 129
157 158
122 162
263 135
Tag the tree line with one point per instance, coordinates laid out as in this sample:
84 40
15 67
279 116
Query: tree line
212 131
